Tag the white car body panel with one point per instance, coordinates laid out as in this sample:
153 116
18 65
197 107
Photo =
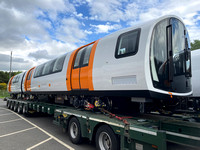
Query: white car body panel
51 82
196 72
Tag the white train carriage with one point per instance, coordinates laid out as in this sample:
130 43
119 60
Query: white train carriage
150 60
196 73
15 84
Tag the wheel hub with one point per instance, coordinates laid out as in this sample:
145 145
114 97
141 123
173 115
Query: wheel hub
105 141
74 130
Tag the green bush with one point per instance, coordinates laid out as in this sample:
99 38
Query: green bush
3 86
3 94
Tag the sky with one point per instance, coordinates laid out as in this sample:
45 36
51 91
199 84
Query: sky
39 30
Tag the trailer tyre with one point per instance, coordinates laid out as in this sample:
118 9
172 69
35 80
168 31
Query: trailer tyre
16 107
25 109
8 104
106 139
74 131
19 109
12 105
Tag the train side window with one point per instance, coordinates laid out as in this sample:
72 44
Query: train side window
15 79
38 71
87 55
127 43
48 68
59 64
78 58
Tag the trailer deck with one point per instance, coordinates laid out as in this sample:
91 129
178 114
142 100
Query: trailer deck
134 132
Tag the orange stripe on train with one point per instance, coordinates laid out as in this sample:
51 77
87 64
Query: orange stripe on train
90 70
10 84
27 83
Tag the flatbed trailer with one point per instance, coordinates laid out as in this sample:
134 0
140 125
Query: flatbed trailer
144 132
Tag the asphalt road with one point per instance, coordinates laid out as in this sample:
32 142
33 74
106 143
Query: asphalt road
18 132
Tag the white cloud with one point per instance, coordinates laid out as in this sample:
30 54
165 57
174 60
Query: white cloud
23 33
187 10
194 33
106 10
70 31
14 25
88 32
40 54
18 63
105 28
80 16
133 12
28 26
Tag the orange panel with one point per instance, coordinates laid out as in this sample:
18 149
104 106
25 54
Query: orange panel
75 79
84 78
9 84
27 83
90 66
69 70
69 77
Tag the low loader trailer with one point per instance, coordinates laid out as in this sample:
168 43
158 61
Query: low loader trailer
113 132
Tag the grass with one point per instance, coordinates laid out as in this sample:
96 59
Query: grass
3 94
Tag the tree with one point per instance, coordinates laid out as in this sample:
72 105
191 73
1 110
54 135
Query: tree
4 76
195 45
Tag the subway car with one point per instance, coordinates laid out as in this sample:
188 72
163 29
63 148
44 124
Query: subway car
149 63
195 98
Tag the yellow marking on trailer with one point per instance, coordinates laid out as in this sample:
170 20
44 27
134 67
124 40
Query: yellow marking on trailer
65 115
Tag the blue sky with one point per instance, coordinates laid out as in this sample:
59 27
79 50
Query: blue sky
39 30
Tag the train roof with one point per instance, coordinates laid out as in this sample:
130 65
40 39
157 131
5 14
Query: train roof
150 23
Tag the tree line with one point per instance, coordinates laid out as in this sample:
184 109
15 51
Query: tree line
4 78
195 45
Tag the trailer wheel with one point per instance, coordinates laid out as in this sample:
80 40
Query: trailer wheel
25 110
75 131
16 107
12 105
19 109
7 104
106 139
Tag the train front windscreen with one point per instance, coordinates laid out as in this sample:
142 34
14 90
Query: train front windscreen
170 57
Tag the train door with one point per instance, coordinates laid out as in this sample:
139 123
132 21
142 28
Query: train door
28 79
75 83
80 70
